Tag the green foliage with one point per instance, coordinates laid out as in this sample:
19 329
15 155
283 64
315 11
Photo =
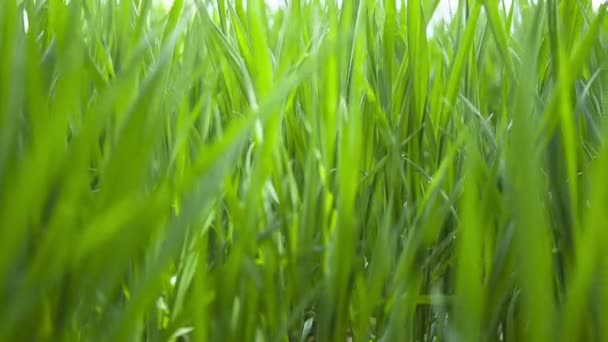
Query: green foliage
223 172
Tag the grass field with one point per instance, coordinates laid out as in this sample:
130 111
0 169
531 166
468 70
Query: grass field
217 171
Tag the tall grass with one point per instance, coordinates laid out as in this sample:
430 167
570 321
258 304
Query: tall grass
222 172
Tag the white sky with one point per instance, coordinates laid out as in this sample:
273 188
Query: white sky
444 10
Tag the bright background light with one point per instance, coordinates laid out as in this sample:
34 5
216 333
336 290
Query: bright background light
445 8
444 11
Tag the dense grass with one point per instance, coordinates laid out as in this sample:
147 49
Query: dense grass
226 173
